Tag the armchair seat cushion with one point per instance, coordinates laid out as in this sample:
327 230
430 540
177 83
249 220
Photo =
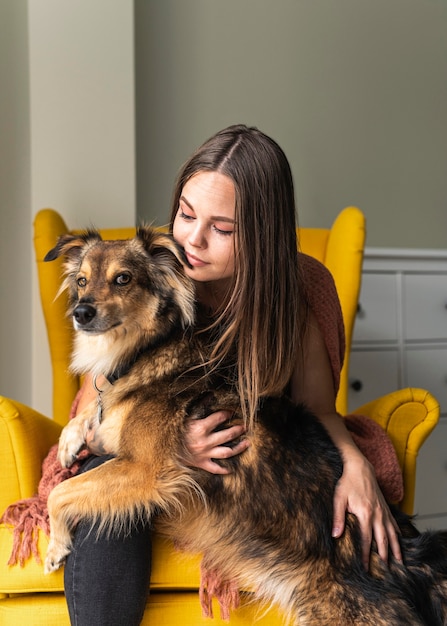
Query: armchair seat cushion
163 609
28 579
171 570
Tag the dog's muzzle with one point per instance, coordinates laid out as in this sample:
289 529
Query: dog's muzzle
83 314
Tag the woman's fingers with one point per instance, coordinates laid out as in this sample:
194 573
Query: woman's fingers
207 443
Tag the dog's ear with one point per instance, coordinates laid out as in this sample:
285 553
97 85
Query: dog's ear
72 245
169 259
161 245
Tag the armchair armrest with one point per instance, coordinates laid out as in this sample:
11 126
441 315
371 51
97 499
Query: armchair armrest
25 439
408 416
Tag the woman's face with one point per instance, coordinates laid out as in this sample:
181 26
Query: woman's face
204 226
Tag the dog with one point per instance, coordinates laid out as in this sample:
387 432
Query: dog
267 524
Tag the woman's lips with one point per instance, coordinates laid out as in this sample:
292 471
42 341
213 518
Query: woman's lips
194 261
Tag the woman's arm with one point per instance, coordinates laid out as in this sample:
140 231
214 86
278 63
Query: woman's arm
357 491
88 393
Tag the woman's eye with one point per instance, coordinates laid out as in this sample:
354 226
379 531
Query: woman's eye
184 216
225 230
123 279
82 281
222 231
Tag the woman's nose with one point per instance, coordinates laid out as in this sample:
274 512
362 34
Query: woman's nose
196 237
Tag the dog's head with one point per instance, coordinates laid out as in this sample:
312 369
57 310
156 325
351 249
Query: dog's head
125 293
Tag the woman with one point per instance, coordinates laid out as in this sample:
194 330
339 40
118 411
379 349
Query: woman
234 214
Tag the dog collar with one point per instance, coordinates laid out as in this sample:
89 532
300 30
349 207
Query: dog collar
125 369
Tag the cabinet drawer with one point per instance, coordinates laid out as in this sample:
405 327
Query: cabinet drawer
377 314
427 368
431 474
372 373
425 306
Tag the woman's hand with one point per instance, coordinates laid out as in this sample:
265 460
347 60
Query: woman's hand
205 445
357 492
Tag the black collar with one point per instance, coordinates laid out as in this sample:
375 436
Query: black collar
126 367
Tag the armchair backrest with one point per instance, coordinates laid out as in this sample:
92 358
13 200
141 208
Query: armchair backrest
340 248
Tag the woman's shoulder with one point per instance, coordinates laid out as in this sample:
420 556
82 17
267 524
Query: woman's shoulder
314 272
322 298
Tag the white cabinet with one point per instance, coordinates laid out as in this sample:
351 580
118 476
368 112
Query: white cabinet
377 315
400 340
430 505
425 306
373 373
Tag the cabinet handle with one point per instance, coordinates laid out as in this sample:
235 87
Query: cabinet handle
361 311
356 385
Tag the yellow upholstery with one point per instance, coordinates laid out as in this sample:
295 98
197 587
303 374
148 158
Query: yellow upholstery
408 416
29 597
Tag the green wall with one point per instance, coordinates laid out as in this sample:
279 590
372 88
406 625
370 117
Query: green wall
355 91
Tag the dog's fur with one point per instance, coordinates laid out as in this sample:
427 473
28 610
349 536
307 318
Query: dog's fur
267 524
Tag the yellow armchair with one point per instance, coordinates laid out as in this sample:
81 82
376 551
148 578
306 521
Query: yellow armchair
29 597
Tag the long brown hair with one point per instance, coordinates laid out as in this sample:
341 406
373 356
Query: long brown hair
263 317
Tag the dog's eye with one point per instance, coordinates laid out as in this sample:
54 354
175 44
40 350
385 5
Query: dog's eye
82 281
123 279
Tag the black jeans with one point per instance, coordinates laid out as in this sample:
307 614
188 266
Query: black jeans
107 577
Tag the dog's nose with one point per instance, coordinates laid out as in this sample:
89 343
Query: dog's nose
84 313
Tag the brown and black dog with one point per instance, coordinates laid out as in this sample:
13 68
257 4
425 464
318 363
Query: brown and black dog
267 524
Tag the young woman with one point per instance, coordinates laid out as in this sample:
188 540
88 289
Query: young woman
234 214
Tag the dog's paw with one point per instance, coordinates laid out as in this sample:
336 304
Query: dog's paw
71 442
56 555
